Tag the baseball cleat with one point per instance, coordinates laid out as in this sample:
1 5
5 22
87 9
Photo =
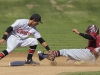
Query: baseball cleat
40 55
31 62
39 52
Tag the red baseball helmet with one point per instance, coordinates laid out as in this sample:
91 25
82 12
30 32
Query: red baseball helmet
92 28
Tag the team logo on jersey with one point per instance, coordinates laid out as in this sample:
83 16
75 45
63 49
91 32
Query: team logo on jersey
25 32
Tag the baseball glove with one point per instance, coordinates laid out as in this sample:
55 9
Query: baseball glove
51 55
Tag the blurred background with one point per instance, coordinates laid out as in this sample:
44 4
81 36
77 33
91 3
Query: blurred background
59 17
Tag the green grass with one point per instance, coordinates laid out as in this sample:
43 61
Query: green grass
80 73
59 18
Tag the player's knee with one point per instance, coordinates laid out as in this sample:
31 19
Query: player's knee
34 42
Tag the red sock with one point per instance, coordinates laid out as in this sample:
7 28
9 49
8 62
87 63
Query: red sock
1 55
56 53
30 54
31 51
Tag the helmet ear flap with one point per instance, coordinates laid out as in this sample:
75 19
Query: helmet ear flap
98 31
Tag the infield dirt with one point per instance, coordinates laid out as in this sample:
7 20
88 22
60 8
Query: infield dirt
45 67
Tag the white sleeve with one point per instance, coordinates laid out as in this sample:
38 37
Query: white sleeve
16 25
37 35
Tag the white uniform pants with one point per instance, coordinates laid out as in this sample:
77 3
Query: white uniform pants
13 42
78 54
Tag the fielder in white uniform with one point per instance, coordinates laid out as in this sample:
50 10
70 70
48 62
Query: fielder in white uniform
17 35
89 54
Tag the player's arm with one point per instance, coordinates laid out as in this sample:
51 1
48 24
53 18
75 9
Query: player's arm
43 43
4 38
87 36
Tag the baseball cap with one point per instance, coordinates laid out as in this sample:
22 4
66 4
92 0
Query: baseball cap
37 17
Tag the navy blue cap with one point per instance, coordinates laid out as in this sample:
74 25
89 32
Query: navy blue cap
37 17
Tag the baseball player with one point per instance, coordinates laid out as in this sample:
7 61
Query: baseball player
17 35
89 54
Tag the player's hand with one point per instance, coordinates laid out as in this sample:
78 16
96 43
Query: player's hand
51 56
2 41
50 51
76 31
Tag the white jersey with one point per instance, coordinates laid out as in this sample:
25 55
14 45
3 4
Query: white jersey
23 31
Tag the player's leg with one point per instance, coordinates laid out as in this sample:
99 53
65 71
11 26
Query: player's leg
78 54
32 43
30 54
49 56
3 54
74 54
12 43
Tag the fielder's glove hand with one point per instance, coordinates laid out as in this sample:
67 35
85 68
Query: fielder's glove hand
51 55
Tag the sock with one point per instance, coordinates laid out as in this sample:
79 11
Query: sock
3 54
56 53
31 52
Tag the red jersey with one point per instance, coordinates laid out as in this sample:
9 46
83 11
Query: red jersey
94 43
